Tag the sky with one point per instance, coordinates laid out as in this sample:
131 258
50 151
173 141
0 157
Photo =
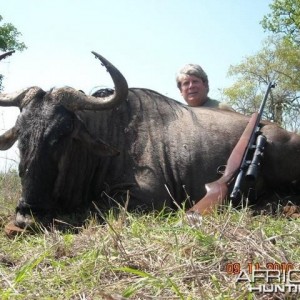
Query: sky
147 40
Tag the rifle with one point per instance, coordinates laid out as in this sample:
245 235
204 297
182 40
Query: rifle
4 55
238 165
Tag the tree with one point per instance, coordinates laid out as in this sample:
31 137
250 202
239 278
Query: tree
284 19
9 40
278 61
9 37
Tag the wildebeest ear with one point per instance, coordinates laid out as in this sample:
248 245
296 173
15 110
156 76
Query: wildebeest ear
8 138
96 145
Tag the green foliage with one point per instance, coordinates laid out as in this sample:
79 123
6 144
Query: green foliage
284 19
9 40
279 61
9 37
243 96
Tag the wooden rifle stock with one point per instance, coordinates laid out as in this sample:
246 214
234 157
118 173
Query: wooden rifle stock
217 190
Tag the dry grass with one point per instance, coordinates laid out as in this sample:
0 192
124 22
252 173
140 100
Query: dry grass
154 256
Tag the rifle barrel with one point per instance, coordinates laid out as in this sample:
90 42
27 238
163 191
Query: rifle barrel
251 145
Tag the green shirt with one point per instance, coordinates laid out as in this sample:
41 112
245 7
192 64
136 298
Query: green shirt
211 103
215 103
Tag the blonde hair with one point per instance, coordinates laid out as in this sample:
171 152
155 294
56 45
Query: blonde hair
191 69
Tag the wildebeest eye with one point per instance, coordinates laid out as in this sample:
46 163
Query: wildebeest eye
58 131
52 142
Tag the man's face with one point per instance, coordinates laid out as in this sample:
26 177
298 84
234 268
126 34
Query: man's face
193 90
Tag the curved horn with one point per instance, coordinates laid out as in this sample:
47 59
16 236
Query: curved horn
76 100
13 99
8 138
19 98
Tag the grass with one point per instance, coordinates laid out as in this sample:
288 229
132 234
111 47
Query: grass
153 256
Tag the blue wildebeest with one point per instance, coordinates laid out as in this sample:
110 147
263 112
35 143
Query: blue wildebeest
76 149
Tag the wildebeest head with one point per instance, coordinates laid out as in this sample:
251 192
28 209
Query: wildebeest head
45 129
